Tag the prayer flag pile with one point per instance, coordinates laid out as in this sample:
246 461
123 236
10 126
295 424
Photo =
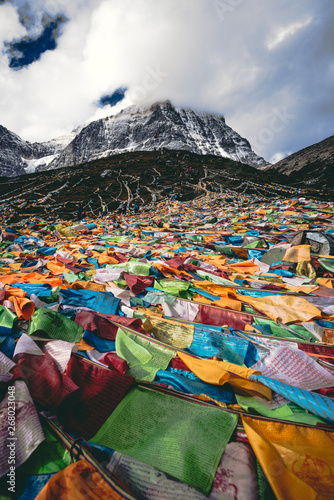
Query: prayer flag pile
183 352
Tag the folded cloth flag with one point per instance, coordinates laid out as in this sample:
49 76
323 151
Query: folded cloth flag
317 404
45 382
7 321
50 324
80 481
99 344
183 439
298 461
102 324
28 430
143 356
25 345
100 391
103 302
218 373
114 362
138 284
24 307
284 308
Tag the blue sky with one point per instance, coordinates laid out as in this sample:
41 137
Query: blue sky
266 65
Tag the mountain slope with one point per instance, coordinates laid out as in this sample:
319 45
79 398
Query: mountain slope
313 165
159 126
149 175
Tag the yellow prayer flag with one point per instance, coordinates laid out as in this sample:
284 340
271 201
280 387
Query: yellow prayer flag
216 372
298 461
297 253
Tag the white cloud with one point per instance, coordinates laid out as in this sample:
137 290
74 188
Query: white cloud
180 50
10 26
284 32
277 157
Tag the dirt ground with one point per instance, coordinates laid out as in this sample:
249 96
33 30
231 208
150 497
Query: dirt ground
147 177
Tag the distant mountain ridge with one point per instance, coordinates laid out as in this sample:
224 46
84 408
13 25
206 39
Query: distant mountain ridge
312 166
161 125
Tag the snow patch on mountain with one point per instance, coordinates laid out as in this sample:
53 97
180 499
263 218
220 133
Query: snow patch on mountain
32 165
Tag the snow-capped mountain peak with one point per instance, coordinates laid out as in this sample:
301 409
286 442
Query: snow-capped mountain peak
158 126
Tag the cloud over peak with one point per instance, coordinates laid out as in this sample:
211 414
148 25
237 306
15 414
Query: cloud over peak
255 62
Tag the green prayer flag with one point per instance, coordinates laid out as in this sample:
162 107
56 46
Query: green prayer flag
277 331
7 318
251 404
138 268
132 267
302 416
255 244
178 437
143 357
70 277
327 264
54 325
173 287
225 250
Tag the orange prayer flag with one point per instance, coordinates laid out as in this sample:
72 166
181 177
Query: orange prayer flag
213 371
16 266
216 372
244 267
325 282
14 292
285 308
11 278
228 303
56 267
224 302
202 300
81 481
241 253
298 461
24 308
104 258
298 253
83 346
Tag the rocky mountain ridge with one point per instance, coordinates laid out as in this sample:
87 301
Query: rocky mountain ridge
313 166
160 126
